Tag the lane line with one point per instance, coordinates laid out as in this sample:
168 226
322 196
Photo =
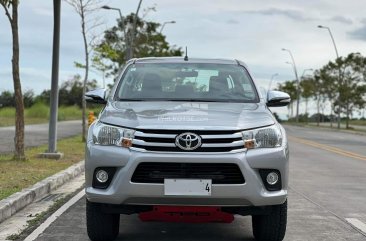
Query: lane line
317 144
54 216
328 148
357 224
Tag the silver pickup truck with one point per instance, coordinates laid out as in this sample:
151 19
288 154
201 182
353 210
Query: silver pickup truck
186 140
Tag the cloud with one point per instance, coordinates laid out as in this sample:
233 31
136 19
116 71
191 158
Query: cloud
297 15
43 11
359 33
232 21
341 19
289 13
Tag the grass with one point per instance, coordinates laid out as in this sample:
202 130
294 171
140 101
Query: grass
39 113
16 175
357 122
38 110
352 129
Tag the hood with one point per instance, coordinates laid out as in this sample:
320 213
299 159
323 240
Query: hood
186 115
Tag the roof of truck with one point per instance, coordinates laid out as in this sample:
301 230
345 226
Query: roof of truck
181 60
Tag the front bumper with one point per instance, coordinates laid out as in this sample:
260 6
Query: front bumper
123 191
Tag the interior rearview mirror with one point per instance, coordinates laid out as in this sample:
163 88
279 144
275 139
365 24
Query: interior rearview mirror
187 74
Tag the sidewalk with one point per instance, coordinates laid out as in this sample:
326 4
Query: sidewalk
22 219
360 130
343 126
17 201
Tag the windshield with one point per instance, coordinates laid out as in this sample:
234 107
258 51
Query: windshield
186 81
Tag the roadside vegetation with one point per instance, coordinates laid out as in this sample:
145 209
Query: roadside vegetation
131 36
37 106
39 113
16 175
339 86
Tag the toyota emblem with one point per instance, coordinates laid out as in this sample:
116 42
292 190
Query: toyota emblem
188 141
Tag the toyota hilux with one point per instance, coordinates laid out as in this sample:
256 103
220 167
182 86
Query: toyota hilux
186 140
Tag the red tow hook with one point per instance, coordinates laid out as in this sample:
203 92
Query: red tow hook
186 214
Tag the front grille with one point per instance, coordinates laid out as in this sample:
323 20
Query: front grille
164 140
219 173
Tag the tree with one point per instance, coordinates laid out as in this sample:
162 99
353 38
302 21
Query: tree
11 11
329 76
7 99
110 52
71 91
353 87
290 88
317 93
349 93
28 98
307 86
43 97
84 8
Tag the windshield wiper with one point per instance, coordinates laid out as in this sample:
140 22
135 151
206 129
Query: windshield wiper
176 100
194 100
124 99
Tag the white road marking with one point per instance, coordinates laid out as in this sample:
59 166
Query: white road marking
54 216
357 224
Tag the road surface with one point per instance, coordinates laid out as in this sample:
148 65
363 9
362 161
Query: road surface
327 199
36 135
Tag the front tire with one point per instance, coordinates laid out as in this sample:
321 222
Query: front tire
271 227
101 226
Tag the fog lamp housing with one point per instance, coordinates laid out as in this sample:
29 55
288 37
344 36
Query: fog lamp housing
271 179
103 176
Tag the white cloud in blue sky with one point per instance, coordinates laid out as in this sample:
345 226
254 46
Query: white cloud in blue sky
253 31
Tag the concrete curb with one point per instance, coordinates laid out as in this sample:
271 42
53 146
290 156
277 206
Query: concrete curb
9 206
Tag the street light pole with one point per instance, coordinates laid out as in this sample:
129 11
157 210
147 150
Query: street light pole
270 82
52 128
303 73
165 23
127 51
130 39
133 32
52 134
331 35
339 74
111 8
298 84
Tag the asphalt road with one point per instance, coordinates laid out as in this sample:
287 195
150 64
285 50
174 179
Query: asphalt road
36 135
327 188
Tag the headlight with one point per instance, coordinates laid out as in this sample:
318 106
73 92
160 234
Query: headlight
107 135
267 137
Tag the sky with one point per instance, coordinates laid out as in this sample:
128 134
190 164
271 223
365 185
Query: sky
252 31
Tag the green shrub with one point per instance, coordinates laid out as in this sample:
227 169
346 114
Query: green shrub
38 110
69 113
7 112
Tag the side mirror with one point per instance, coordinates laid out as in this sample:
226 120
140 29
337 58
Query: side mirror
277 98
96 96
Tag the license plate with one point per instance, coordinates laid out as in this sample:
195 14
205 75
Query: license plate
187 187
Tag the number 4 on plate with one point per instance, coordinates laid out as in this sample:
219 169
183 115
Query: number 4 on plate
207 187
